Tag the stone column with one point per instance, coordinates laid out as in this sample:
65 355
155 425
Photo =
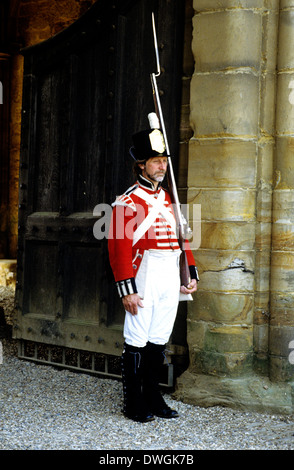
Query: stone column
4 151
264 183
230 171
14 149
282 262
225 107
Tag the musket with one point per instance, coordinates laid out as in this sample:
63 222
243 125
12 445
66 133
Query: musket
181 223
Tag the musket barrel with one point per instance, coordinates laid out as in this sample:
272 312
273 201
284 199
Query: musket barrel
156 46
171 172
185 275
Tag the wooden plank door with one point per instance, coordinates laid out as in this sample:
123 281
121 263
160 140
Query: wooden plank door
86 91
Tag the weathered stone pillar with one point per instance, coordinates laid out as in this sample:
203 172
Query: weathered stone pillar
4 151
10 119
230 173
264 182
282 262
225 106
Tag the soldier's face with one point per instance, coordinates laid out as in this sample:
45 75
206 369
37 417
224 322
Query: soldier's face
155 168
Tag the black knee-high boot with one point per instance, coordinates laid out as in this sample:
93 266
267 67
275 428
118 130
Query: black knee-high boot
154 357
132 366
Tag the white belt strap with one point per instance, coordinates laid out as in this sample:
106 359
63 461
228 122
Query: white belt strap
157 207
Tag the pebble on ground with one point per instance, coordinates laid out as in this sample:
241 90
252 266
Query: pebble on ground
45 408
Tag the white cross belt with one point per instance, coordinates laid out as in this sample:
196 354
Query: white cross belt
157 207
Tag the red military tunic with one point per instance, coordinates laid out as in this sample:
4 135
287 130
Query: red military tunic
142 219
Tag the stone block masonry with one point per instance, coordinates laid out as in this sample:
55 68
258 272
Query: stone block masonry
240 169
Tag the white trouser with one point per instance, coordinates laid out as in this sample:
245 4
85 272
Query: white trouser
154 322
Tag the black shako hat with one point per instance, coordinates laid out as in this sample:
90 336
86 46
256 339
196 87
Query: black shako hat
147 144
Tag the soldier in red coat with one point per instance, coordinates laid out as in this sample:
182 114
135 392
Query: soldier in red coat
144 255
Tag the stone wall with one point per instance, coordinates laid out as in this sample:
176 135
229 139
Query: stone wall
42 19
241 172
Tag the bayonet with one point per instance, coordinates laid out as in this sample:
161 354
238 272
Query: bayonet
181 223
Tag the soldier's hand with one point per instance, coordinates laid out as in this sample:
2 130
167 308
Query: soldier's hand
192 287
131 303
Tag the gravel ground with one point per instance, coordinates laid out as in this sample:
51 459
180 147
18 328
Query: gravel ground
43 408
